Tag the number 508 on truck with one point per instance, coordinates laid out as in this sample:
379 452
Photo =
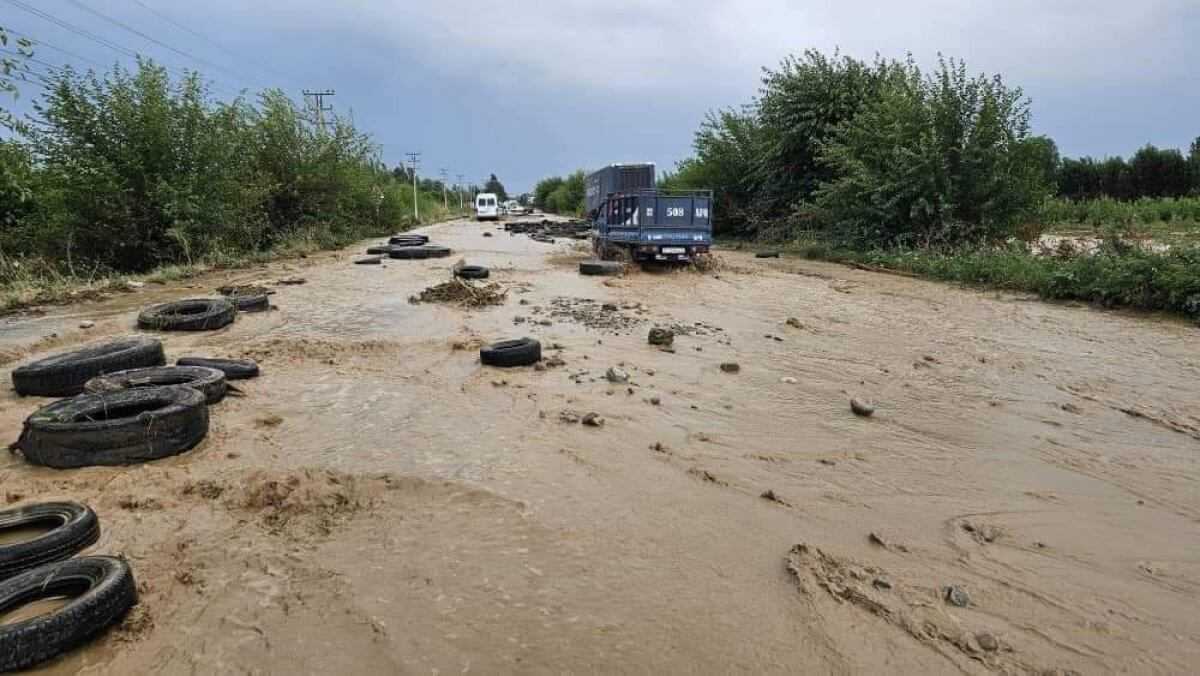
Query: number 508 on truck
633 220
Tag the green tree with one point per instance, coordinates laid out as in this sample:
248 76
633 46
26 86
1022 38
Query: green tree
494 185
13 68
1194 165
1159 173
543 190
932 160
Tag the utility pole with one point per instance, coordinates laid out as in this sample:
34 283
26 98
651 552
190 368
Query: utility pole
445 200
415 158
460 192
319 104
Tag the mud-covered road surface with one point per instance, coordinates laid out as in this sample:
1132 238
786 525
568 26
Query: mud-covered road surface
379 502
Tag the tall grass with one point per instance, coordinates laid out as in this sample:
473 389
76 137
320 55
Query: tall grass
1060 214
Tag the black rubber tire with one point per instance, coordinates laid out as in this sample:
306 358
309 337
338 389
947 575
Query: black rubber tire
258 302
519 352
210 381
369 260
379 250
767 254
196 314
409 237
432 251
63 375
101 588
409 253
472 272
75 527
74 433
596 267
234 369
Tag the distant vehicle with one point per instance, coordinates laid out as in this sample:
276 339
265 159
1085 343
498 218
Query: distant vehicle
487 207
514 207
631 218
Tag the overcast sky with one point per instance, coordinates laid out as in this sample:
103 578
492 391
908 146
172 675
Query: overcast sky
526 89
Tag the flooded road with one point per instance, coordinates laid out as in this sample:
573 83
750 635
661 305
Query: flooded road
379 502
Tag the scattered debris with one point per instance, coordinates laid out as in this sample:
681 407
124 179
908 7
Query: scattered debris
881 583
705 475
291 281
655 401
957 596
987 641
770 495
661 337
569 417
794 323
591 314
616 375
731 367
984 533
593 420
788 380
463 293
86 324
862 408
1071 408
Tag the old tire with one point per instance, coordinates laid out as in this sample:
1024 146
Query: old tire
408 253
410 237
115 428
210 381
64 374
472 272
196 314
432 251
101 589
379 250
767 254
597 267
369 260
74 527
258 302
234 369
519 352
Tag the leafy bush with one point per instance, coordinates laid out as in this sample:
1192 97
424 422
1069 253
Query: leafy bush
127 171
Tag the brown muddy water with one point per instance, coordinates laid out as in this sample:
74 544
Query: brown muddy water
379 502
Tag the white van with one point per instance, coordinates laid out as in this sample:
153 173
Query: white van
487 207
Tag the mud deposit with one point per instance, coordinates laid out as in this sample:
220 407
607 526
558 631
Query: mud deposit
1023 499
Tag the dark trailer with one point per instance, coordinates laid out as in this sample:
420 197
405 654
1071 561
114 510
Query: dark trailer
632 219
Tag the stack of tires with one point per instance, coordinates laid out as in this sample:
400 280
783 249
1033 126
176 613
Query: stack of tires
408 246
97 591
121 404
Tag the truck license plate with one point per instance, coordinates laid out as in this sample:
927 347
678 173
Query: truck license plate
674 250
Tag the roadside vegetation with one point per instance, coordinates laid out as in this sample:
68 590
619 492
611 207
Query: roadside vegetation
938 174
129 172
561 194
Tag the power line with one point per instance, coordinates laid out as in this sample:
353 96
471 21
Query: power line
127 27
165 17
321 108
92 36
36 42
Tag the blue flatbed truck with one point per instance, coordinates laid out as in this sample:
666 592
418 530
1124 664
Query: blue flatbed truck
633 220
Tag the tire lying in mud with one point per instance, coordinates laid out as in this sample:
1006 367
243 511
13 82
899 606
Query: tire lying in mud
100 589
65 374
767 254
437 251
196 314
234 369
379 250
519 352
369 260
472 272
210 381
258 302
409 253
72 528
597 267
115 428
408 239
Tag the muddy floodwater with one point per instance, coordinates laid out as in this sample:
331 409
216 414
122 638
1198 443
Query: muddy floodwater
379 502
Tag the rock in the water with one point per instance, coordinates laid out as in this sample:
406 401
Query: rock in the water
730 367
862 408
86 324
593 420
569 417
655 401
987 641
794 323
661 337
882 583
957 596
788 380
616 375
609 307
